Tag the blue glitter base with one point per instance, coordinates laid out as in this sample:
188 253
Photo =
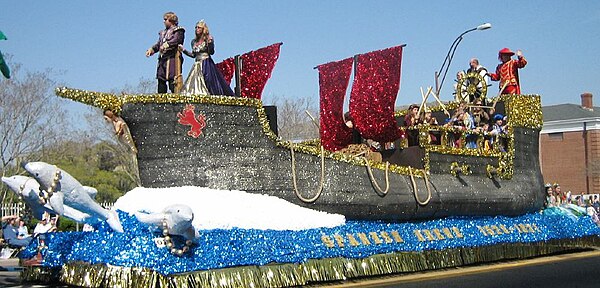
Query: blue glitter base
356 239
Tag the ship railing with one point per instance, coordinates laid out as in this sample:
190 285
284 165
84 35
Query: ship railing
425 135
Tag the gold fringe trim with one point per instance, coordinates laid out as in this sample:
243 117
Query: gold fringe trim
311 271
115 103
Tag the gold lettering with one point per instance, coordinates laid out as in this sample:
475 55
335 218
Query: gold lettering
397 237
530 228
523 228
482 230
496 230
386 237
428 235
363 238
327 241
457 232
339 239
352 240
504 229
375 238
517 227
447 233
419 236
438 234
536 228
489 230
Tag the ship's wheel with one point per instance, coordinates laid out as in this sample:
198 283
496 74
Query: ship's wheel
470 87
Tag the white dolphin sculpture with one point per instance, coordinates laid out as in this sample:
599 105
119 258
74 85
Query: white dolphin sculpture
178 219
28 189
66 190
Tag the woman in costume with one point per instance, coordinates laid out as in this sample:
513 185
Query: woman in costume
121 129
204 78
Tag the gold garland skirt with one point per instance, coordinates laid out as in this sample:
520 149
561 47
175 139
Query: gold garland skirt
312 271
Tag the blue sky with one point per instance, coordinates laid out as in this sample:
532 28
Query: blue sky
100 45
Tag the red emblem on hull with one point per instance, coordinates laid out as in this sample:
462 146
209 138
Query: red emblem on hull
188 117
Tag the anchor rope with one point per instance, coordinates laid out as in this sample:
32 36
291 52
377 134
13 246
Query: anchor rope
416 189
378 189
320 190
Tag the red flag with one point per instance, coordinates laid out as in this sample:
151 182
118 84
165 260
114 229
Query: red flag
374 91
333 82
256 70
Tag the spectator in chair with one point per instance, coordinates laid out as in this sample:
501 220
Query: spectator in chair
11 234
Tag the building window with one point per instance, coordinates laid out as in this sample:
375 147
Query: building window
556 136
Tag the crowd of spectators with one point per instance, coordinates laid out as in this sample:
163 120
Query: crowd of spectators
556 197
16 236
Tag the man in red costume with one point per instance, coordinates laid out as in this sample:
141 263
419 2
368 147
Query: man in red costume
507 72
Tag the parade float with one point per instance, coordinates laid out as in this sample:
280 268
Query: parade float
415 207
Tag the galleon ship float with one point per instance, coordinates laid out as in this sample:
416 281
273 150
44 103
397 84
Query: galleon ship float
417 205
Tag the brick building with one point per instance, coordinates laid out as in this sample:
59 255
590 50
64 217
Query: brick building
570 146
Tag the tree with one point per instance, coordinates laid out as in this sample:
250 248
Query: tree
117 155
145 86
93 164
293 121
31 117
113 155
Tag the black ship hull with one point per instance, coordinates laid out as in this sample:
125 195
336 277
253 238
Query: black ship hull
237 151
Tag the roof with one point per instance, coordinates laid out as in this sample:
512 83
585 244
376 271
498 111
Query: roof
568 112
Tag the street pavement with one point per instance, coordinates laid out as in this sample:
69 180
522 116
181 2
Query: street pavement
9 272
564 270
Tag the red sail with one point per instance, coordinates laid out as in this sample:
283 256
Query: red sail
227 68
333 81
373 96
256 70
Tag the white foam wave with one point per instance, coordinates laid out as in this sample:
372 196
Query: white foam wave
226 209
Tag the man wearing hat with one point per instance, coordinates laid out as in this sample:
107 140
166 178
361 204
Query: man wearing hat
507 72
412 117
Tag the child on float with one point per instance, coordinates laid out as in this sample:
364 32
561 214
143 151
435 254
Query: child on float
557 194
483 131
470 126
461 120
428 119
498 129
550 198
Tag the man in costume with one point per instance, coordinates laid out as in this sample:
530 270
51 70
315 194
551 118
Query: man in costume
169 59
474 66
507 72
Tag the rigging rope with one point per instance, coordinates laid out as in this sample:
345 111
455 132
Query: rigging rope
320 190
